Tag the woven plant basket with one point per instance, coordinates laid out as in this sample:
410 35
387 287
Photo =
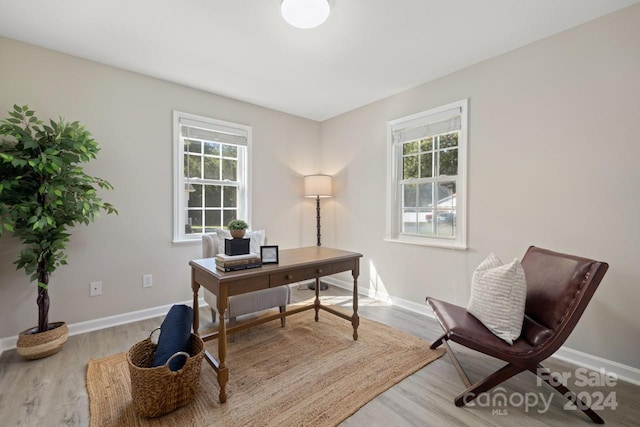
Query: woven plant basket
158 391
36 345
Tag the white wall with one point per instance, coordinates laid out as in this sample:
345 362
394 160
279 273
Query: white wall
554 149
130 115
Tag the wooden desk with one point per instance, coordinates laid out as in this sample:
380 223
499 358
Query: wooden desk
295 265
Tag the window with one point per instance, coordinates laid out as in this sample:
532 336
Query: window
210 174
426 194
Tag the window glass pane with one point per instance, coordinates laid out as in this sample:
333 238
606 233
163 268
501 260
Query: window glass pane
193 146
229 151
447 224
194 221
425 195
425 209
212 148
448 140
446 210
212 219
211 168
426 165
229 169
449 162
426 226
426 144
410 147
192 166
213 196
409 221
447 195
195 197
409 195
228 215
410 167
230 199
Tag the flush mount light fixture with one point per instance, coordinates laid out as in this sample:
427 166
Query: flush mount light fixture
305 13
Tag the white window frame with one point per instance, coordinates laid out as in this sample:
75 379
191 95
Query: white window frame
418 124
243 133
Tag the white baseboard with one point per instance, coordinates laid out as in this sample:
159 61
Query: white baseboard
9 343
595 363
579 358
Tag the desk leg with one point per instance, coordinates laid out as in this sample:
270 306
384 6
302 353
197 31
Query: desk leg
223 371
355 320
195 287
316 303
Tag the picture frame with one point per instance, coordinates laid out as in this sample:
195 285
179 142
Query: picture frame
269 254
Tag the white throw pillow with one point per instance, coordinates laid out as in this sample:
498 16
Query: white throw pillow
256 237
498 295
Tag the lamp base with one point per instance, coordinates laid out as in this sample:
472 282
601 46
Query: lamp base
323 286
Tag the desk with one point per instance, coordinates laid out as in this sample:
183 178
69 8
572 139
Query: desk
295 265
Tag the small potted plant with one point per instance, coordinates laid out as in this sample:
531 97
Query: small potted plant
43 193
237 228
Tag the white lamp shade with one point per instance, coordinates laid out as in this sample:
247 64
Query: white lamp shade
317 186
305 13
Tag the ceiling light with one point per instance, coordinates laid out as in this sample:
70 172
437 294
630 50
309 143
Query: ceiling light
305 13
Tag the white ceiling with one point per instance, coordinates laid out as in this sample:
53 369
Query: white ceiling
243 49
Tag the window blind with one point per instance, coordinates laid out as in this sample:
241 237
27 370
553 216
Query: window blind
443 122
211 132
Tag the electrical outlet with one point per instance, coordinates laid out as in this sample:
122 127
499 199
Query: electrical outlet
95 289
147 280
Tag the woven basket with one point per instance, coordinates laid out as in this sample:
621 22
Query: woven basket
36 345
157 391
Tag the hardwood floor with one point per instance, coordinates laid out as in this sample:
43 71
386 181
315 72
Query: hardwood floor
51 392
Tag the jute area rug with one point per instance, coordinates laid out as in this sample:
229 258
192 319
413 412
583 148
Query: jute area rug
306 374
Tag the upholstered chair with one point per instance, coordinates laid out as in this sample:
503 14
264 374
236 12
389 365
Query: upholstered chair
252 302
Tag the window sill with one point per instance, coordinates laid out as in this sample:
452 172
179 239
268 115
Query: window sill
447 244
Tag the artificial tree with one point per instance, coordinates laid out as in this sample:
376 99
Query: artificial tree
44 192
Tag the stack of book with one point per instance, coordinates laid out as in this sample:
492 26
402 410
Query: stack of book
237 262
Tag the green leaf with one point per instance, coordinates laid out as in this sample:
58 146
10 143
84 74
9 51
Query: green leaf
8 227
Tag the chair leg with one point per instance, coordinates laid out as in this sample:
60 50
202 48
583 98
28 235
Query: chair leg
437 343
486 384
563 390
283 320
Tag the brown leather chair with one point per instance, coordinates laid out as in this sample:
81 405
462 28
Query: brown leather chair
559 287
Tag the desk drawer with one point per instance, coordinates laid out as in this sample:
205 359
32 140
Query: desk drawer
248 285
299 274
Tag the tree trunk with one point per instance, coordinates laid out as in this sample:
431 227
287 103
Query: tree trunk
43 297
